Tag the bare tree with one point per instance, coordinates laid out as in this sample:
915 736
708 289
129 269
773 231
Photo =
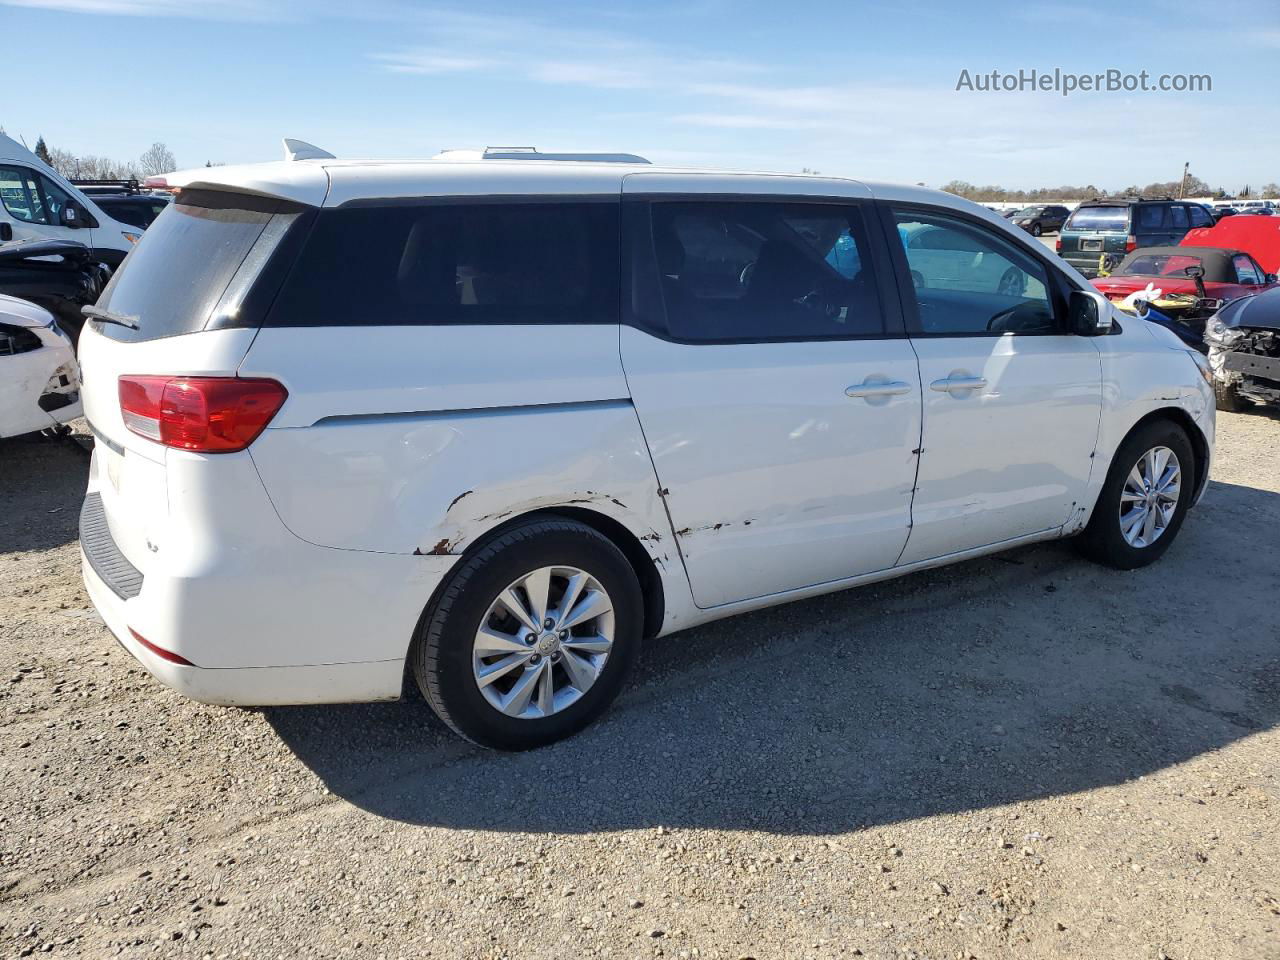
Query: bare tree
1271 191
158 159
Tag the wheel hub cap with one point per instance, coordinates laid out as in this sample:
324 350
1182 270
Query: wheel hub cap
547 644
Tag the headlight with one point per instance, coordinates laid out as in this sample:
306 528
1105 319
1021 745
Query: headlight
131 237
1202 365
1220 333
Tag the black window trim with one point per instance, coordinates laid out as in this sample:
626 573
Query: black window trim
637 228
1060 285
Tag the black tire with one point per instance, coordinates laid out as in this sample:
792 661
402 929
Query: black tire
1102 540
1036 230
1228 398
442 651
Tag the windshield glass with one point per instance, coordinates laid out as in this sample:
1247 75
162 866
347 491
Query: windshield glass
1100 219
1160 265
177 273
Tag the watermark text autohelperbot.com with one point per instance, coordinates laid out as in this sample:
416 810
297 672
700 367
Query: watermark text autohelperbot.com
1066 83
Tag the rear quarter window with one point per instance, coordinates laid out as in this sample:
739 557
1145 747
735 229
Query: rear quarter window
1100 219
456 263
184 263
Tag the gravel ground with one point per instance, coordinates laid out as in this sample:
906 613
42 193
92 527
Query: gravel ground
1022 756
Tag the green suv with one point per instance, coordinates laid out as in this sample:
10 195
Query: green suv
1100 227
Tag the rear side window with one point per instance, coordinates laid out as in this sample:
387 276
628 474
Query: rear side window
184 263
743 271
1100 219
1151 217
456 263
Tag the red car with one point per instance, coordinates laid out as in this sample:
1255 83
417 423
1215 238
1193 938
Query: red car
1260 236
1228 274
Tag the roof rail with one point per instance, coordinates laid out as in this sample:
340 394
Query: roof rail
127 185
531 153
1128 198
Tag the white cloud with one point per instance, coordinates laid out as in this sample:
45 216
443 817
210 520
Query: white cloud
187 9
431 62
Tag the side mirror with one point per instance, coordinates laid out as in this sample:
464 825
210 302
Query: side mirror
1195 272
1269 278
1089 314
6 232
70 217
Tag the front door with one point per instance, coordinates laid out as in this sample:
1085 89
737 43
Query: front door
1011 401
779 399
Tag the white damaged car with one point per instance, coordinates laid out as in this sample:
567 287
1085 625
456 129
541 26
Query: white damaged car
39 380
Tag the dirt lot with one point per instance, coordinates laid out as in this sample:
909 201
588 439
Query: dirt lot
1024 756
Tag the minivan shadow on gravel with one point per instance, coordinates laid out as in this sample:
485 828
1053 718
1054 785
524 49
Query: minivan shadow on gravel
1004 679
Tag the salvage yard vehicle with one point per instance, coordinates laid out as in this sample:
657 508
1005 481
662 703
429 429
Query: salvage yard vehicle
1244 351
1216 272
60 275
1186 285
489 422
1041 219
1257 236
1101 227
37 203
39 381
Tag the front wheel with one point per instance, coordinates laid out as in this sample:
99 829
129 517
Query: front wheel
1144 498
532 636
1036 230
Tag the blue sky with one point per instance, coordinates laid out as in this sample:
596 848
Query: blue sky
862 88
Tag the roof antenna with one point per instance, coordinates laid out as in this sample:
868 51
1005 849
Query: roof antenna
301 150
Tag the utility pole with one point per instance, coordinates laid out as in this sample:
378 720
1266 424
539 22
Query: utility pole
1182 189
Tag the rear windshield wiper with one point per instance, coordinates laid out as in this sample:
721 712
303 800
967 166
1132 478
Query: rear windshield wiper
106 316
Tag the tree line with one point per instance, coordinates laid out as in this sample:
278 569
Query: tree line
156 159
1195 187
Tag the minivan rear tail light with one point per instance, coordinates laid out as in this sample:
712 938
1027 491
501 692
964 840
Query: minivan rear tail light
1057 245
202 414
1130 244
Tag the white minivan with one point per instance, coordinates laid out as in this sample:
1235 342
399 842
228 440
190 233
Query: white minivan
37 203
488 424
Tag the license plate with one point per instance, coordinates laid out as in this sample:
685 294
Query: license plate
1090 244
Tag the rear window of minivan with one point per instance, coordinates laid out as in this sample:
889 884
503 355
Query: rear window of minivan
439 262
1100 219
175 277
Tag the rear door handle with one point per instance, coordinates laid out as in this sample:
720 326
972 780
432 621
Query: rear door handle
956 384
878 388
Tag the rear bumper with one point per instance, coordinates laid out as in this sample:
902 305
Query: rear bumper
249 686
261 616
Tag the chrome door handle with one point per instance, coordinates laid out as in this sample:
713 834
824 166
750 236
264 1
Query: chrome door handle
949 384
881 388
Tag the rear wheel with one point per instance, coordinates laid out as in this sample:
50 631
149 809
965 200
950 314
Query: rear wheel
532 636
1144 498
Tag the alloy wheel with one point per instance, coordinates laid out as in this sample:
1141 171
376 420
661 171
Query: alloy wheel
1150 497
543 642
